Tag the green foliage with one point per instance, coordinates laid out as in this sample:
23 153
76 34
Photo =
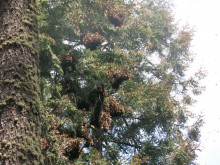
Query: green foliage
127 96
48 60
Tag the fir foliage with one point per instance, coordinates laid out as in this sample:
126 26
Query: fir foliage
114 83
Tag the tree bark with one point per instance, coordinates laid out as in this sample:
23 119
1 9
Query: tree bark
19 89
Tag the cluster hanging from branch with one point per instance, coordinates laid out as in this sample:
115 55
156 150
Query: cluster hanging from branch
117 77
116 17
92 41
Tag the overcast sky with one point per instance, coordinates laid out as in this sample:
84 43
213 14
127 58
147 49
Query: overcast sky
204 16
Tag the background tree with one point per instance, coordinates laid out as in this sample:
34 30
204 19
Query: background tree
19 88
115 83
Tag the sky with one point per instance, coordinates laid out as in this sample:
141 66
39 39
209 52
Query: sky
204 17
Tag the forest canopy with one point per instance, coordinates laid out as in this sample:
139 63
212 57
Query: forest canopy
114 83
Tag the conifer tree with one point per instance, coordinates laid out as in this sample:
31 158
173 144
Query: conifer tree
115 84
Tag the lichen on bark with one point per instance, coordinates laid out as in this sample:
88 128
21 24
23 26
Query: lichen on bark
19 89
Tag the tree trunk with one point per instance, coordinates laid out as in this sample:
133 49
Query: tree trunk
19 90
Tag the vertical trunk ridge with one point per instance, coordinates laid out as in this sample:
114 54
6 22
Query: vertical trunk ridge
19 90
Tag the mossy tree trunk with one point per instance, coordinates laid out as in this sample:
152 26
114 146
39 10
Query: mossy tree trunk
19 90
